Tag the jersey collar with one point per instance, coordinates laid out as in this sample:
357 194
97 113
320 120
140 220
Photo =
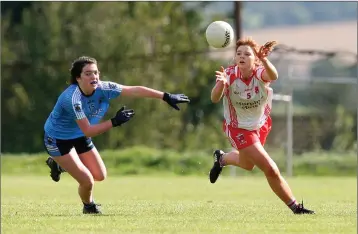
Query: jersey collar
86 95
239 75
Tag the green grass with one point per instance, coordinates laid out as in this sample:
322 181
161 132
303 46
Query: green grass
35 204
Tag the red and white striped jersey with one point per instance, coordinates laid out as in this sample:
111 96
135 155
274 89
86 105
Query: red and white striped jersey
247 103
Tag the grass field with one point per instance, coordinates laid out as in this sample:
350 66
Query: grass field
35 204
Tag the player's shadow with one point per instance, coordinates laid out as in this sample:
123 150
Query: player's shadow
84 215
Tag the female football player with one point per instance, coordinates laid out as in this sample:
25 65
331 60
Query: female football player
247 100
75 119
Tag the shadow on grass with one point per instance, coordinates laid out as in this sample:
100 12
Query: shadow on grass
84 215
61 215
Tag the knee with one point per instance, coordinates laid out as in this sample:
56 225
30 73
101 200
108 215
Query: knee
272 171
250 168
88 183
100 177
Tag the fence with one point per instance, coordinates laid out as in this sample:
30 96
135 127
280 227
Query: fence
320 102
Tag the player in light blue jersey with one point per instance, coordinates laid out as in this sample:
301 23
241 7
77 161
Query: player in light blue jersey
76 118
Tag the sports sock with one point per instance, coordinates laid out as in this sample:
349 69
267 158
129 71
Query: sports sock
89 204
292 205
221 161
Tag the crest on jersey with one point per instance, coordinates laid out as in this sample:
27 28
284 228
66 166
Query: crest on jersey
112 86
241 138
77 107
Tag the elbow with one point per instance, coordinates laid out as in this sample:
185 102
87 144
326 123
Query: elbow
214 99
275 77
271 77
88 133
216 94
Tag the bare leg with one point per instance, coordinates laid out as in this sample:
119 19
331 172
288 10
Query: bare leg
233 158
258 155
73 165
93 161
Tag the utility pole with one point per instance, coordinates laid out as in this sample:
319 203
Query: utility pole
237 20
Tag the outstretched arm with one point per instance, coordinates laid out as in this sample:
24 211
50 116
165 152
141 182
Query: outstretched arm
141 91
218 90
270 72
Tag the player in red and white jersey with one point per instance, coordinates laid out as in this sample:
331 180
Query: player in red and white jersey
247 102
247 98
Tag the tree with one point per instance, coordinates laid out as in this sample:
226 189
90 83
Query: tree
154 44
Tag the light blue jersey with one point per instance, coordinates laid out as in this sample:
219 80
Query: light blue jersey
72 105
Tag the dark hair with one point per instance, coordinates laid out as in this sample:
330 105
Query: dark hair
78 65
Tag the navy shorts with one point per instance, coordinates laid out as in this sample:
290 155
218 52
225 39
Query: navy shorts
57 147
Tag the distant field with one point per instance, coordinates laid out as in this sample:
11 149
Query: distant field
35 204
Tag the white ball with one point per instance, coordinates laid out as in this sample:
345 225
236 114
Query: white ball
219 34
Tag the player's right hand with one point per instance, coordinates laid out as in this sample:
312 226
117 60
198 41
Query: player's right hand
122 116
221 76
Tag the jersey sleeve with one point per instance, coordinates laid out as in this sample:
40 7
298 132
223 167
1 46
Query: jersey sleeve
227 73
111 89
230 73
73 105
259 72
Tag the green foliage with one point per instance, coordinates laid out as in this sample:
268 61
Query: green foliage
332 106
147 161
156 44
346 130
326 96
141 43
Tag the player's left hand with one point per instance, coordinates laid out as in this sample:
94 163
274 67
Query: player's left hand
265 50
174 99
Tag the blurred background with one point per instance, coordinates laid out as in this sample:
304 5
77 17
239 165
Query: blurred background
162 45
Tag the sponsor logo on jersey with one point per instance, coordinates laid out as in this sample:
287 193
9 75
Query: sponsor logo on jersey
77 107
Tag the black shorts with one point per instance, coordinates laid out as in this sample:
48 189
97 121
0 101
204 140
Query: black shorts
57 147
